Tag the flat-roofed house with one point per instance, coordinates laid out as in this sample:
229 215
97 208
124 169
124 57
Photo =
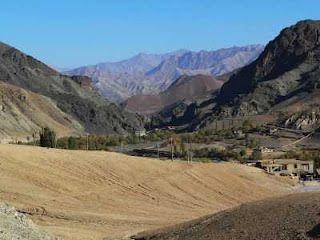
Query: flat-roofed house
287 166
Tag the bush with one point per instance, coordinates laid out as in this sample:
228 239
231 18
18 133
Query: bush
214 153
243 152
256 155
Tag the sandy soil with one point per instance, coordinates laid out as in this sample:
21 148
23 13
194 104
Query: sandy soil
102 195
293 217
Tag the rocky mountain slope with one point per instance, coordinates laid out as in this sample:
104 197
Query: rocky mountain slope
185 88
283 82
88 110
151 74
285 77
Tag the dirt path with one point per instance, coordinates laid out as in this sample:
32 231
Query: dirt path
96 195
298 141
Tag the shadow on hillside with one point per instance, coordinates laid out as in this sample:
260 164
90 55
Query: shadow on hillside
314 232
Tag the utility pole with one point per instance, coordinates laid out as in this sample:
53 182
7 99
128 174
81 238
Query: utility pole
122 148
189 150
158 151
87 142
171 141
191 154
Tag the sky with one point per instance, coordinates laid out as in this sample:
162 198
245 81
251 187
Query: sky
72 33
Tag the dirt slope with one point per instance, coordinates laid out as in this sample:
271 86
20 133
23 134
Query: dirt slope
95 195
294 217
23 113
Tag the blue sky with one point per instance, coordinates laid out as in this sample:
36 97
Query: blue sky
70 33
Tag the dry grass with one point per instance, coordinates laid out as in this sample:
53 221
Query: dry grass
95 195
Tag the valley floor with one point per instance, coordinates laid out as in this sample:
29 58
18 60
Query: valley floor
104 195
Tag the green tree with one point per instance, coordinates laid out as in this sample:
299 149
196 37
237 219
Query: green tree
47 138
246 126
243 152
72 143
256 155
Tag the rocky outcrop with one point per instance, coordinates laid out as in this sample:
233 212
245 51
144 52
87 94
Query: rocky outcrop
304 121
84 82
16 226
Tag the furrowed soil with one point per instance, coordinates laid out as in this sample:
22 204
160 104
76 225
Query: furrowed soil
104 195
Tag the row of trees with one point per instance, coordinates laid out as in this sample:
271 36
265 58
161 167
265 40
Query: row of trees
181 144
48 138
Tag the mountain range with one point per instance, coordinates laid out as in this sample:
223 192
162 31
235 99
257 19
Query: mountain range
154 73
282 84
35 95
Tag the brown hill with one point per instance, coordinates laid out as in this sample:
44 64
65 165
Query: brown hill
103 195
294 217
185 88
24 113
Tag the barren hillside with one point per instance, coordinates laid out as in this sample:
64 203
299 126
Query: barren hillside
24 113
95 195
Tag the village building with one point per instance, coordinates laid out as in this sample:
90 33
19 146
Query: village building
238 133
273 130
287 166
141 133
265 150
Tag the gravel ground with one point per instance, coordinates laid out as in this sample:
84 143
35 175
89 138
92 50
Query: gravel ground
293 217
16 226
